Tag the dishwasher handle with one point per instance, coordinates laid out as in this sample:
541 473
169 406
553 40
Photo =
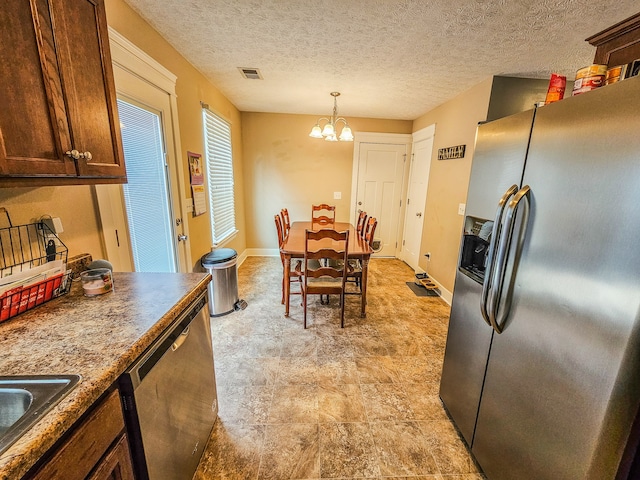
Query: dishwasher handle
169 341
180 340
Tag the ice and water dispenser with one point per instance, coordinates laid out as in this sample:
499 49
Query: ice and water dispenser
475 247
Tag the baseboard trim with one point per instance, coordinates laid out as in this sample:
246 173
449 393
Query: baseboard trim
261 252
257 252
445 294
242 257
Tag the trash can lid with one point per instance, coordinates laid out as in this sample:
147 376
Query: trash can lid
219 255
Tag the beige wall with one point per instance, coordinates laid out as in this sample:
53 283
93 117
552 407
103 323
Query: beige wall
75 205
456 122
191 88
284 167
276 164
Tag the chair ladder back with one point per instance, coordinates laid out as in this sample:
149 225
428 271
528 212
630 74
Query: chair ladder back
294 274
362 215
286 223
318 247
370 230
323 214
279 229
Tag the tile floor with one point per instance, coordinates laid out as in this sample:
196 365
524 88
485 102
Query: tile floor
326 402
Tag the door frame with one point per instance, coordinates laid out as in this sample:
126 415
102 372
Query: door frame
387 139
131 58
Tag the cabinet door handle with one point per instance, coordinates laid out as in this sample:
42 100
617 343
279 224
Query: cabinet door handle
76 155
182 237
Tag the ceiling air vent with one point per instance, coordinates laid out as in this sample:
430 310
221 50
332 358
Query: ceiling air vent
250 73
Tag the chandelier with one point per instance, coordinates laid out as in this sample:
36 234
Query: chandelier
328 132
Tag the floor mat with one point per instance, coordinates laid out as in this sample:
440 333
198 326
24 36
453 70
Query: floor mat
420 291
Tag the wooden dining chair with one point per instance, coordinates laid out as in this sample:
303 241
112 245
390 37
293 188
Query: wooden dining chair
360 227
286 223
362 216
295 276
369 230
354 271
323 214
325 279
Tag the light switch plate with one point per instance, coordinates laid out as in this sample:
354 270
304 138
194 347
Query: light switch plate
54 224
57 224
189 204
337 195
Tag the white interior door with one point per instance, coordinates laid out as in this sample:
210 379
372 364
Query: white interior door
417 195
146 207
115 231
379 189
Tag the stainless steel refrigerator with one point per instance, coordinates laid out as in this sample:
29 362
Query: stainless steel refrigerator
542 365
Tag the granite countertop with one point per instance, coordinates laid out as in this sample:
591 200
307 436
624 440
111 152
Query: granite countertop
94 337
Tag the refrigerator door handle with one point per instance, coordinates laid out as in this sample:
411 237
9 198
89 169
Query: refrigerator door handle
495 233
499 270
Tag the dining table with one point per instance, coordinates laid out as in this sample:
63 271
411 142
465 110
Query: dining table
293 247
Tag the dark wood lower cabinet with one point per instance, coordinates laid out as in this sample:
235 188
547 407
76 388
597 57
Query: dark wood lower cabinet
116 465
96 449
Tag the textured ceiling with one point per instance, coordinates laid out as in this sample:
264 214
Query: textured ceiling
393 59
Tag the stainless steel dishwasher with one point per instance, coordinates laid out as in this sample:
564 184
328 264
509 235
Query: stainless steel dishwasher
169 398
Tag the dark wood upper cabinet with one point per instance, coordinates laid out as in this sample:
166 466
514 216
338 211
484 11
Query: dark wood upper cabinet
59 120
618 44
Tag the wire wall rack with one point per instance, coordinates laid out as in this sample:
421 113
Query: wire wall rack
32 267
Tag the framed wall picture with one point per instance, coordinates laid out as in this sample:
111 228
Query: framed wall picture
196 171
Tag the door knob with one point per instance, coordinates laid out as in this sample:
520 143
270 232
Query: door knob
182 237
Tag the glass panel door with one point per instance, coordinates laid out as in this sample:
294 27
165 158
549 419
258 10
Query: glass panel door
146 194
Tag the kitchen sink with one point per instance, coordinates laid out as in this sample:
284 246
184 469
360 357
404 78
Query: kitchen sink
25 399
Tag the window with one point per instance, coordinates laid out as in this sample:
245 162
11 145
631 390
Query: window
217 139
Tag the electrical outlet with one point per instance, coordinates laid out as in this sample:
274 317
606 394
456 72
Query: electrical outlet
337 195
461 208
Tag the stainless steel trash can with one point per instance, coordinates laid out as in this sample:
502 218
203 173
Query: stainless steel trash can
223 289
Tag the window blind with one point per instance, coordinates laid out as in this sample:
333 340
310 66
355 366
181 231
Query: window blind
219 160
146 193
